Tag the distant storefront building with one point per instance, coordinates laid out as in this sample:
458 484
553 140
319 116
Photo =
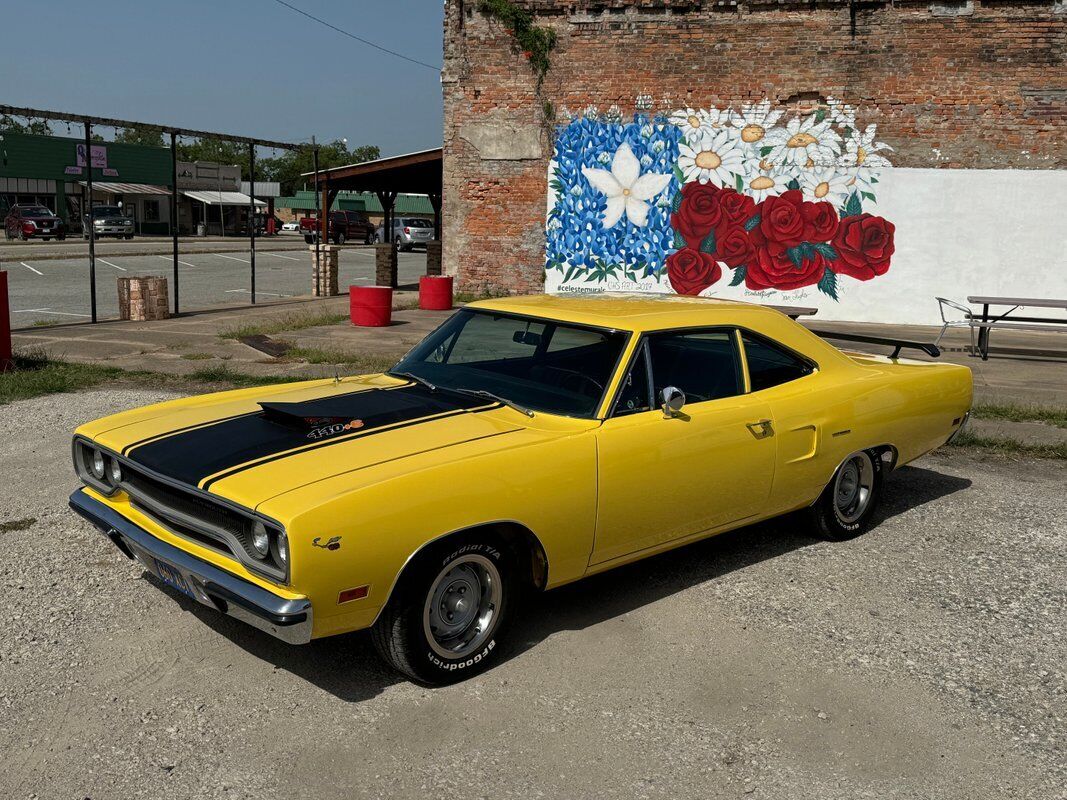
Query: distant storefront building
53 171
304 203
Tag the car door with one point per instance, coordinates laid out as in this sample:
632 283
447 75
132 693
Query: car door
663 478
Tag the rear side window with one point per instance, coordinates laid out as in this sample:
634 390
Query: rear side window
705 365
770 365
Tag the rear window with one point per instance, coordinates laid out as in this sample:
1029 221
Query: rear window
770 365
417 223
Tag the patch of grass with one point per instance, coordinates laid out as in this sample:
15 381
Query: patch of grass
36 374
1005 446
359 363
1020 412
223 373
290 322
197 356
16 525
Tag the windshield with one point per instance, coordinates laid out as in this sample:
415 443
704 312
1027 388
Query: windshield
37 211
106 211
539 364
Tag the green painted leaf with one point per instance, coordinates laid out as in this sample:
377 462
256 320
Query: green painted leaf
828 283
678 174
763 151
676 201
708 245
852 206
795 255
556 185
739 275
679 242
820 115
739 181
793 184
827 251
869 196
846 131
752 223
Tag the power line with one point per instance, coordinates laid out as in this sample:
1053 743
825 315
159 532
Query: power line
358 38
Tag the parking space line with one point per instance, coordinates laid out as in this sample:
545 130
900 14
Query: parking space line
279 255
46 311
249 291
31 269
116 266
232 258
171 259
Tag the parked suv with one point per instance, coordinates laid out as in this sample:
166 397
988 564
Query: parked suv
343 225
33 222
408 232
109 221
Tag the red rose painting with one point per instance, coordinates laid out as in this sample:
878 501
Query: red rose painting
691 272
864 245
698 213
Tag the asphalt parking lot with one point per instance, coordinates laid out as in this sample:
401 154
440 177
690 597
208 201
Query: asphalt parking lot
923 660
57 290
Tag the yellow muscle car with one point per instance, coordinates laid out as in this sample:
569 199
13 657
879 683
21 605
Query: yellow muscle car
526 443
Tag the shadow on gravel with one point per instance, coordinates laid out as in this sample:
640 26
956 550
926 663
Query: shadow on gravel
347 666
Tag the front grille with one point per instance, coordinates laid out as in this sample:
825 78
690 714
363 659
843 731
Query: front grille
187 514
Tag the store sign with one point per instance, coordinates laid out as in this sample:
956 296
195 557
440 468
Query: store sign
207 175
97 152
72 171
111 173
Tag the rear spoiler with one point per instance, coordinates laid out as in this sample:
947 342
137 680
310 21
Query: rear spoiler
897 344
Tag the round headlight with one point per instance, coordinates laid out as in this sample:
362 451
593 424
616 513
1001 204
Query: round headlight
260 539
115 472
283 550
97 464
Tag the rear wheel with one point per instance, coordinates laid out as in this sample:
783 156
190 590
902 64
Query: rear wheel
845 508
339 238
444 621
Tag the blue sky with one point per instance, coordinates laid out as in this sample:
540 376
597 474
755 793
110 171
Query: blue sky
245 67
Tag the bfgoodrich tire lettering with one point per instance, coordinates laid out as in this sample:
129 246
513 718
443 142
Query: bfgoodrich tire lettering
448 612
845 508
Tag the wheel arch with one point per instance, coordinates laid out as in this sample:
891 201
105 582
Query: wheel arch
520 539
886 453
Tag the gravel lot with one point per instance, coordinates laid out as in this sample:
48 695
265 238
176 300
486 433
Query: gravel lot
925 659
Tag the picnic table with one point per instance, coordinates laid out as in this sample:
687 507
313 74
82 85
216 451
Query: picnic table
985 323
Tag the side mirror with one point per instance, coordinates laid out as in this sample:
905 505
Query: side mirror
673 400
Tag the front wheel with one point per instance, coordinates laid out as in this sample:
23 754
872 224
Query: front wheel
847 504
339 238
445 619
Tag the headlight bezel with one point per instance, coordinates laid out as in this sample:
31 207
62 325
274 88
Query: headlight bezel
274 565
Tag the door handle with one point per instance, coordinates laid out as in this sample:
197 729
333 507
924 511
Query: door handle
761 429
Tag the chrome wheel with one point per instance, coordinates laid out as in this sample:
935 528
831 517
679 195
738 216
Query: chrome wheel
853 488
461 609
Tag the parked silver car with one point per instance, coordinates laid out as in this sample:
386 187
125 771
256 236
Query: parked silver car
409 231
109 221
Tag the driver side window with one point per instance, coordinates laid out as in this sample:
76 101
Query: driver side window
703 364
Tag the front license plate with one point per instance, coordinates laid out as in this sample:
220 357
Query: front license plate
172 577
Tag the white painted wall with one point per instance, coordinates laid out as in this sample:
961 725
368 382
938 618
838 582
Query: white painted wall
959 232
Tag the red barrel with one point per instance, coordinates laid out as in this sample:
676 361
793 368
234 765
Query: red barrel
435 292
370 306
5 325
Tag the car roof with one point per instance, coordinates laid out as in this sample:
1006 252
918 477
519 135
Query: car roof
633 312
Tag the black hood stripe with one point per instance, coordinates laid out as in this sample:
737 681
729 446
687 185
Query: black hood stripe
235 443
157 436
341 439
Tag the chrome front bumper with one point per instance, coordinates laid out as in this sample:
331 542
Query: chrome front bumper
288 620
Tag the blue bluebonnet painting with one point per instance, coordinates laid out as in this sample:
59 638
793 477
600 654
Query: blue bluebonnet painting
578 241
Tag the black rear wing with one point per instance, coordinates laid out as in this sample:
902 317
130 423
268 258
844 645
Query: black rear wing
929 348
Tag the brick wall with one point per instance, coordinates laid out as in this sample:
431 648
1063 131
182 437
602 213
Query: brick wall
976 84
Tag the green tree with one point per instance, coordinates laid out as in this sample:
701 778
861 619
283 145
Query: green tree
288 168
35 126
144 136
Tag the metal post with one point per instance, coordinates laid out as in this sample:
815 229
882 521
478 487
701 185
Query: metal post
252 214
89 221
315 162
174 211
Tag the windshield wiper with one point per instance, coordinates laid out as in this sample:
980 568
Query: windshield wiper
491 396
412 376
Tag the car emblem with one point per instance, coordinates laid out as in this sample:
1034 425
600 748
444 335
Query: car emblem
336 428
333 544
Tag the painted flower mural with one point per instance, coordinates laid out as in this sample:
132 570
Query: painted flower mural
684 201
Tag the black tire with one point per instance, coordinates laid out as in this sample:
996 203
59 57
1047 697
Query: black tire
402 636
841 513
339 238
61 238
369 239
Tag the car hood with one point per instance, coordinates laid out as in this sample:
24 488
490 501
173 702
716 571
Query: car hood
251 445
